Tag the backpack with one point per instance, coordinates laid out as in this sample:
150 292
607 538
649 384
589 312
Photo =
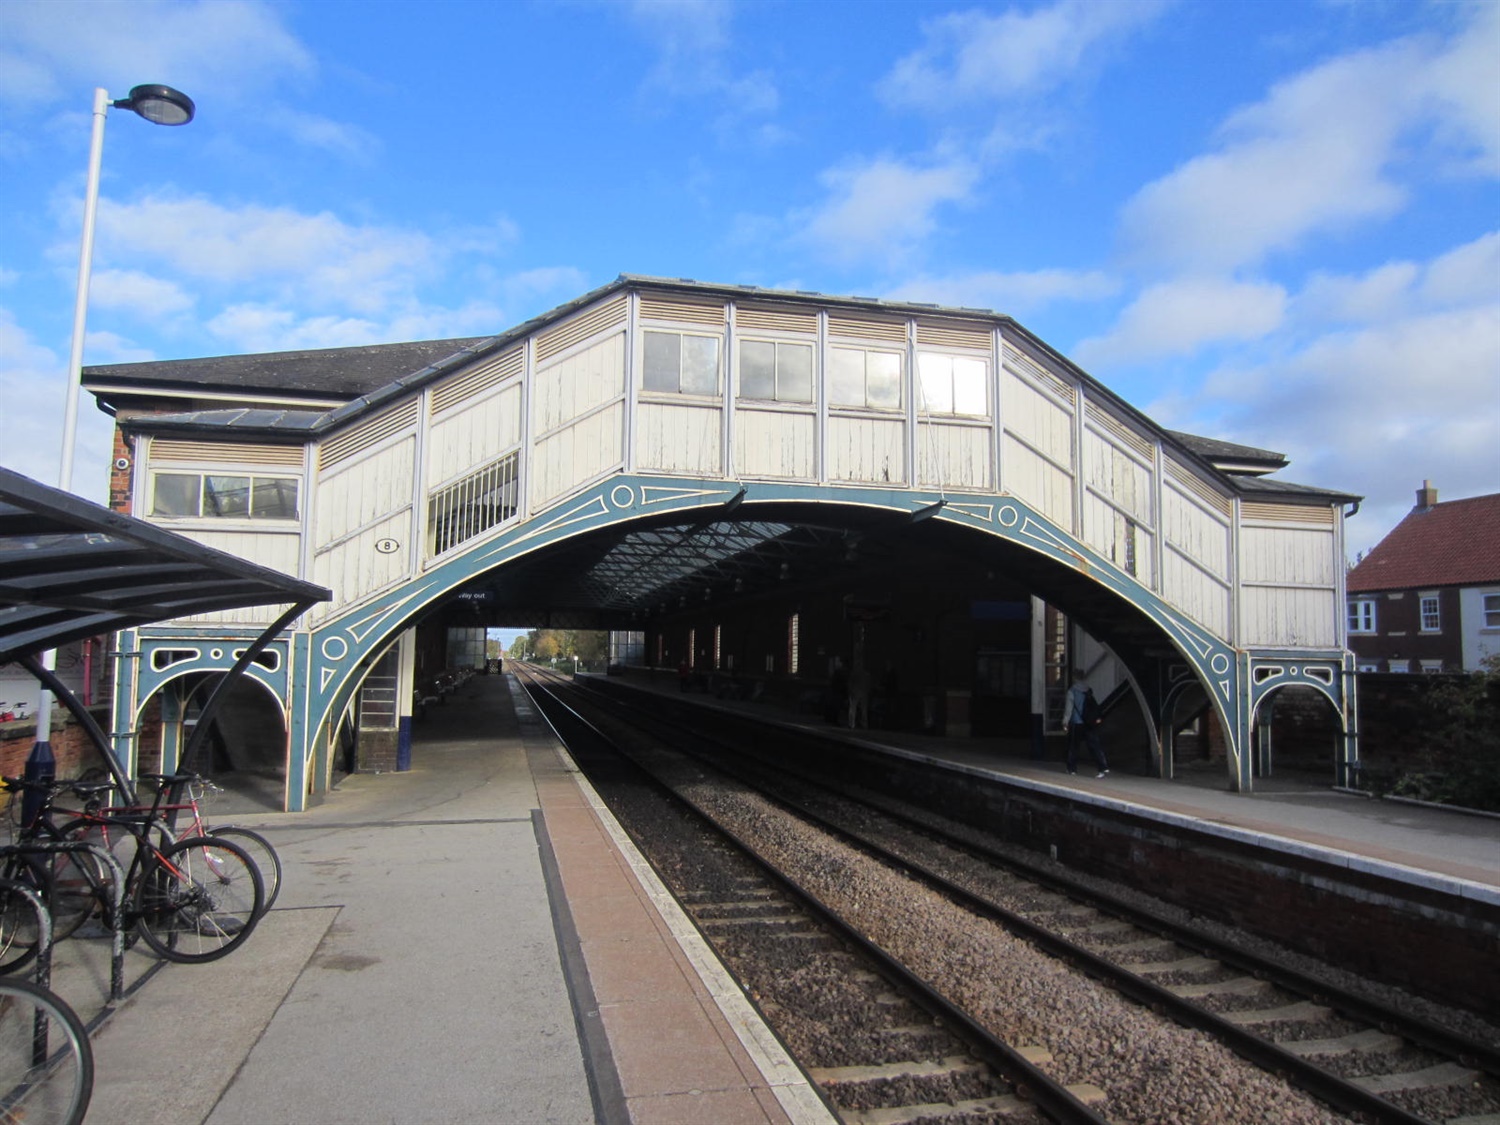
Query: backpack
1093 714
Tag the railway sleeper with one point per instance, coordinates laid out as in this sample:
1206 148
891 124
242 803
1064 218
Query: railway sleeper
1303 1011
1444 1074
1196 991
1356 1043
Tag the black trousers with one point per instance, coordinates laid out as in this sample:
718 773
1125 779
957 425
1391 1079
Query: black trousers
1079 733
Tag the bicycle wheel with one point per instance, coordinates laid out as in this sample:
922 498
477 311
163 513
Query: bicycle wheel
198 900
46 1061
261 853
18 920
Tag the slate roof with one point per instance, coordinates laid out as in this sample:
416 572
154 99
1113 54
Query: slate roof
1452 543
339 373
1231 456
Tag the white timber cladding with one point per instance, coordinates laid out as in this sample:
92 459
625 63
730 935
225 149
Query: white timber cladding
953 455
486 427
577 417
364 500
278 550
1288 575
1197 540
867 449
778 444
1036 409
1119 491
278 547
682 433
458 390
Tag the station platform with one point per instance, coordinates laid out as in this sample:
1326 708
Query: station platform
1452 850
476 940
472 940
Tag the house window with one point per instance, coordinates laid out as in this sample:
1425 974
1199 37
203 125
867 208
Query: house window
868 380
793 646
677 363
773 372
1400 665
1368 666
1431 621
953 384
1361 615
223 496
1431 666
1492 611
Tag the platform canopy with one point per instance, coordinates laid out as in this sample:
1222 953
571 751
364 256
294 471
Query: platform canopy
71 569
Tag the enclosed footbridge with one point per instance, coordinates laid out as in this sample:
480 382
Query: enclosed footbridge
657 453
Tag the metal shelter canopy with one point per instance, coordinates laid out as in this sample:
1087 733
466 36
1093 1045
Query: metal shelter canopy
71 569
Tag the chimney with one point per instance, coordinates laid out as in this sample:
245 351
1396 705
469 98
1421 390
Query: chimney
1426 495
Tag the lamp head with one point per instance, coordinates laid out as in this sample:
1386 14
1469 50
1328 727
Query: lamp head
161 105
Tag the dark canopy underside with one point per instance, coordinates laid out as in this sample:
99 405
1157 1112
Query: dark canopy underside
71 569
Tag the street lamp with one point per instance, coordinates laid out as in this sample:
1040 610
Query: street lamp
161 105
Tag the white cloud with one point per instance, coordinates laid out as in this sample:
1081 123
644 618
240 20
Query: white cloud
880 210
1012 293
1372 410
150 297
232 48
1179 317
1322 153
975 57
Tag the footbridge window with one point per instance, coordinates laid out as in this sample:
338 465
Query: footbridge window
224 496
865 379
467 508
953 384
776 372
680 363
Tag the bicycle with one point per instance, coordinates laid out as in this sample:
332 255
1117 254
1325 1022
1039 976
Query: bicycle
190 900
179 793
41 1084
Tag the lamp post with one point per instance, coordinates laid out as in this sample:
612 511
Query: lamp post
161 105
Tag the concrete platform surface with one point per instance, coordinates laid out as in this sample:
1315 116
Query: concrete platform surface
470 941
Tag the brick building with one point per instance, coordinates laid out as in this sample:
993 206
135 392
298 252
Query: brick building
1427 597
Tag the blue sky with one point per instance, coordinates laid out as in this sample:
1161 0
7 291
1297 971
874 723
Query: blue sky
1273 222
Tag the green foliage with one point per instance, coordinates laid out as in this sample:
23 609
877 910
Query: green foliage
1454 743
549 646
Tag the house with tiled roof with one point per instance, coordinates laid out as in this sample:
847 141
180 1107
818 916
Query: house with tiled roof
1427 598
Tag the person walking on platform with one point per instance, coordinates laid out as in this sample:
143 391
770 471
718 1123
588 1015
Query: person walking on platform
1081 718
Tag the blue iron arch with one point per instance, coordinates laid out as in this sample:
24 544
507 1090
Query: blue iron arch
336 649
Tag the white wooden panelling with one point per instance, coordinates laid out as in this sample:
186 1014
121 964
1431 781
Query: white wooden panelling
366 435
572 387
1190 484
1121 540
354 568
457 389
279 551
1036 418
576 454
1291 617
576 329
1201 536
953 456
1297 515
681 310
848 327
479 433
1026 367
789 321
679 438
364 491
1115 474
1196 593
225 453
1293 556
974 337
868 450
1038 482
772 443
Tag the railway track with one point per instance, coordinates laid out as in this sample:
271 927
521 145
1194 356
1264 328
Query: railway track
1368 1062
